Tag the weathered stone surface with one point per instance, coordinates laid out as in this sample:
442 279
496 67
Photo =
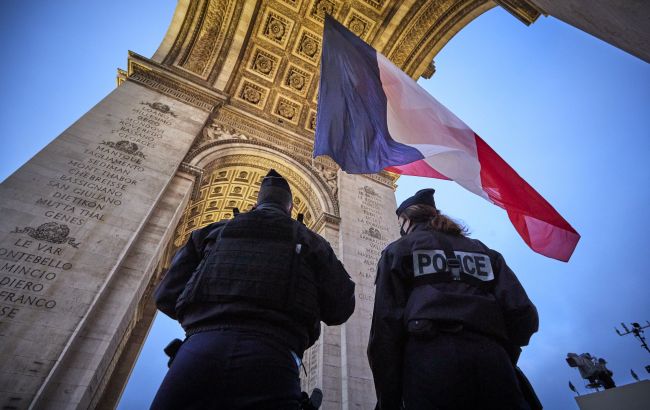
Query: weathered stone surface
68 218
368 224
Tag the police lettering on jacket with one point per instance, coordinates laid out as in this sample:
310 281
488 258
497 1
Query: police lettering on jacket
428 262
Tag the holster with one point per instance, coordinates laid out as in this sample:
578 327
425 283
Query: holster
172 349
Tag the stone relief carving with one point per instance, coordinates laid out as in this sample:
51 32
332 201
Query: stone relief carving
329 176
357 26
50 232
417 29
295 179
252 93
373 232
297 80
217 132
308 46
360 24
126 147
263 63
276 28
209 38
321 8
370 191
160 107
287 109
377 4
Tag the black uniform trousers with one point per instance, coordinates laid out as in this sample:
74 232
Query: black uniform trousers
458 371
230 369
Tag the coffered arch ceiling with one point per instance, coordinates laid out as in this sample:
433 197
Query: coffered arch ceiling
264 54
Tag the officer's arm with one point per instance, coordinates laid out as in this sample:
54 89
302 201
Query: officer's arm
519 312
386 345
336 290
180 271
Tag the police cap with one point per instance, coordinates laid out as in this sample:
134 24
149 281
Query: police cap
274 188
422 197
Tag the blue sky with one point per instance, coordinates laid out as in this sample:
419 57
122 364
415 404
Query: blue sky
569 112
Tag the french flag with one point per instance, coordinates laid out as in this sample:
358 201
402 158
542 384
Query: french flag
372 116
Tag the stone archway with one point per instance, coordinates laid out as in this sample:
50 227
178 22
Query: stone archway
249 67
233 87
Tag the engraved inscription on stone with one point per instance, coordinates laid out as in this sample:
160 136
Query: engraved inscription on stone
372 239
88 189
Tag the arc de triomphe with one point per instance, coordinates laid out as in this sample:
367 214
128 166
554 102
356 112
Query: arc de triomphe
89 224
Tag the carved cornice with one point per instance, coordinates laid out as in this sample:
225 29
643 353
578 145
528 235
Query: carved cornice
450 22
428 16
429 71
194 171
327 219
300 147
157 77
429 27
525 11
385 178
121 76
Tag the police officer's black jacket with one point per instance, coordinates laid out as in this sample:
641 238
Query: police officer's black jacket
413 283
261 271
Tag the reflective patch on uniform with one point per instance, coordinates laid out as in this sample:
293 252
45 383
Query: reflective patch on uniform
475 264
427 262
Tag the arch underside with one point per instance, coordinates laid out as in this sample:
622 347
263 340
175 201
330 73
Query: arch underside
263 56
231 179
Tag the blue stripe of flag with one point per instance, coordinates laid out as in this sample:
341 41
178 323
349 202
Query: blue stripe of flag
351 123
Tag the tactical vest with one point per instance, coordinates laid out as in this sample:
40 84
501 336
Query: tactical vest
257 258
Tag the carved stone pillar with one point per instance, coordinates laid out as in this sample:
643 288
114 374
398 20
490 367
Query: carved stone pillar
82 227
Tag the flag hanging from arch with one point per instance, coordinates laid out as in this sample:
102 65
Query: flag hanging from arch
372 116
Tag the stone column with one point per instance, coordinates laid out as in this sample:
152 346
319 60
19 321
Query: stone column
368 224
81 227
325 355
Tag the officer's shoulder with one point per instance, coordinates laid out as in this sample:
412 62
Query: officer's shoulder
494 255
309 234
214 225
202 233
398 245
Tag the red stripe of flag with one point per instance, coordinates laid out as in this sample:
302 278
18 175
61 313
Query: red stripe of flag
538 223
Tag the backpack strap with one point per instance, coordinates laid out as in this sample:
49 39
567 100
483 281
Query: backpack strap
295 261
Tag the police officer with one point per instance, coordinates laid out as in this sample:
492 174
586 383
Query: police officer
449 318
250 294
